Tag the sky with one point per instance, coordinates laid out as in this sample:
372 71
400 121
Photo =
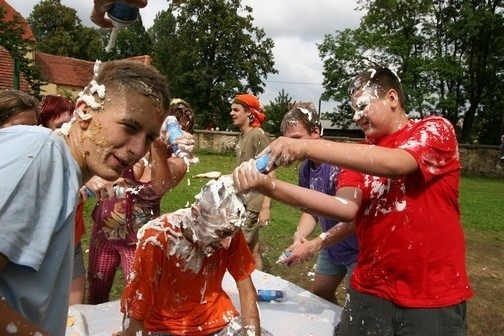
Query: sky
296 26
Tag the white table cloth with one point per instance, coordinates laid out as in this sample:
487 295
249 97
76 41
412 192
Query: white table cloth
301 314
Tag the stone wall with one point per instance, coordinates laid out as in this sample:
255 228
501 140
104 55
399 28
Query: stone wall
476 160
480 160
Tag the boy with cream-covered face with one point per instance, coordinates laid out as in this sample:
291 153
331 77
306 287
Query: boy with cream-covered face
117 117
215 217
396 187
181 258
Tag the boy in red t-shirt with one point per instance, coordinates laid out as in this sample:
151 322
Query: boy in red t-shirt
400 190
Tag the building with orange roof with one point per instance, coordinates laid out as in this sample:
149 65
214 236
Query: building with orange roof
64 75
6 62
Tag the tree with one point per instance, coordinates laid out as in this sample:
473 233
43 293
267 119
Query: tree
214 53
11 33
448 55
60 32
162 35
275 112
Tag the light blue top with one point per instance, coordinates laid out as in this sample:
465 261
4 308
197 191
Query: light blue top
39 180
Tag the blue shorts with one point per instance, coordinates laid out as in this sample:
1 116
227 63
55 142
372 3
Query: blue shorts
326 267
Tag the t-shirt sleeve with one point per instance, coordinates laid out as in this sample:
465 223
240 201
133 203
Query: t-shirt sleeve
37 195
142 283
350 178
434 146
261 141
240 260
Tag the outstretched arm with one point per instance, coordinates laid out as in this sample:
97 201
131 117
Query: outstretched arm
368 159
343 206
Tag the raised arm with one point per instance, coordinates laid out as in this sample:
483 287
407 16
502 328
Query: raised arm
166 171
100 7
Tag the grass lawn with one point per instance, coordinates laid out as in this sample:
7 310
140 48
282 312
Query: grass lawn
482 207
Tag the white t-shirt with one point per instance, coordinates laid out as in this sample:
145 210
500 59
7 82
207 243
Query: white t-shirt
39 183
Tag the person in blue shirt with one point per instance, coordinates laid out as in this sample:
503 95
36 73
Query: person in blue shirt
117 117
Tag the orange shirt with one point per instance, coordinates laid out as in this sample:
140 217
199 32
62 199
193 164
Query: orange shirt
169 298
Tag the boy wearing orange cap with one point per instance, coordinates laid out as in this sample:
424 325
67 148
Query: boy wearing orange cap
248 115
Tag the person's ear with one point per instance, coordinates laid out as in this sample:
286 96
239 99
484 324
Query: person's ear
195 212
393 98
315 133
82 114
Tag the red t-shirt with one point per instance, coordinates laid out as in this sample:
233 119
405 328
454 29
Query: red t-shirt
169 298
412 249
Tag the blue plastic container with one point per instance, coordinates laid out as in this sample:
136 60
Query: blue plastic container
123 13
262 163
268 295
174 130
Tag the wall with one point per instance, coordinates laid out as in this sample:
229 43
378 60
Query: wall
480 160
476 160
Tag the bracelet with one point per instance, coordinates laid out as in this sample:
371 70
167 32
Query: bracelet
324 236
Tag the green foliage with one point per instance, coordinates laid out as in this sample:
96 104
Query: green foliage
447 54
59 31
275 112
211 52
11 38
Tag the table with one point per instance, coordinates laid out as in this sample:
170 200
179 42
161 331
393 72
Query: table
301 314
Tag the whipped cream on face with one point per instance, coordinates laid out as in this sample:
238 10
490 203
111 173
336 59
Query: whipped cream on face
220 209
93 87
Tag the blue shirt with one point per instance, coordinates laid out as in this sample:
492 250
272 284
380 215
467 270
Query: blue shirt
324 179
40 181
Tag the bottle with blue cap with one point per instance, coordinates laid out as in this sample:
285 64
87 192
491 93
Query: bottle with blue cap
173 129
120 192
268 295
121 16
262 164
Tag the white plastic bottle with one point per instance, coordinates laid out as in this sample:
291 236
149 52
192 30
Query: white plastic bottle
120 192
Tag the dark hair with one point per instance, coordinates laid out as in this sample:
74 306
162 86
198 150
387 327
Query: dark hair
51 107
125 76
305 115
383 79
184 114
15 101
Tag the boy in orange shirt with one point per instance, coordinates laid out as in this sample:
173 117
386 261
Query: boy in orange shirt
175 287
